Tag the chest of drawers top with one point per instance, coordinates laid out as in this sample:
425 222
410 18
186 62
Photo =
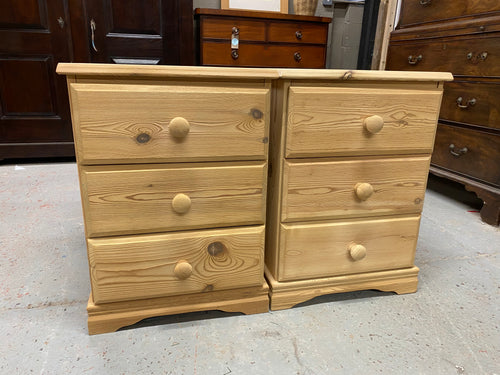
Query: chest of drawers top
262 39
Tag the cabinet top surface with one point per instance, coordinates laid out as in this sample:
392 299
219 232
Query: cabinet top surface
165 71
257 14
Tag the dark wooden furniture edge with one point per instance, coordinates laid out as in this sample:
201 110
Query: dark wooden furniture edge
441 29
36 150
468 18
260 14
490 212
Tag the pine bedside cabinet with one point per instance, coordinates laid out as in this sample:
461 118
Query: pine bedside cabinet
173 171
350 154
179 202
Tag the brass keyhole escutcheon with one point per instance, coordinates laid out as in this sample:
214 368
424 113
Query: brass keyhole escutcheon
216 248
143 138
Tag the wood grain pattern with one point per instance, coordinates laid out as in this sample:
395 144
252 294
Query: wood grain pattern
109 317
109 118
414 12
222 28
140 267
260 15
322 250
310 33
206 72
316 129
319 75
275 176
262 55
480 162
315 190
484 112
449 55
138 199
288 294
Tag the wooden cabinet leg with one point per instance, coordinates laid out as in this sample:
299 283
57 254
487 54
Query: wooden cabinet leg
490 213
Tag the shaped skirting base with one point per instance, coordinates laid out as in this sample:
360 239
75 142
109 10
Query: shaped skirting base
287 294
109 317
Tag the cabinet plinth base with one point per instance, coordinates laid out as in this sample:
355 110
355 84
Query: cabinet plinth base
109 317
284 295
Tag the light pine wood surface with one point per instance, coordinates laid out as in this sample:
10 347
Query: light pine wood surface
275 180
139 267
207 72
284 295
319 189
321 250
325 121
139 199
108 317
127 123
174 171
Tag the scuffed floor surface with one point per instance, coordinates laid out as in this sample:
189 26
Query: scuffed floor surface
450 326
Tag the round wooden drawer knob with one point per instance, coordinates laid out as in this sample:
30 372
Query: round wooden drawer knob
374 124
183 270
178 127
357 251
181 203
363 190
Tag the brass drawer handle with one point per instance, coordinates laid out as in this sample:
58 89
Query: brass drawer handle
357 251
179 127
363 190
183 270
181 203
414 60
298 34
460 152
470 102
297 56
476 58
425 2
234 54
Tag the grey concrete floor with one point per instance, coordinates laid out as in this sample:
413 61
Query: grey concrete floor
450 326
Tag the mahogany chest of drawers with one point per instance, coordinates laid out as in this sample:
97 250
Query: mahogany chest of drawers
462 38
184 209
261 39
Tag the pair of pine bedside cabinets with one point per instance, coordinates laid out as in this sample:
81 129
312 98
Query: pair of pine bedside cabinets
245 190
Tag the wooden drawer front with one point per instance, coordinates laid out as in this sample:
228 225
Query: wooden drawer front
475 103
323 250
262 55
298 32
146 199
421 11
449 55
139 267
480 161
222 28
325 121
321 190
125 123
